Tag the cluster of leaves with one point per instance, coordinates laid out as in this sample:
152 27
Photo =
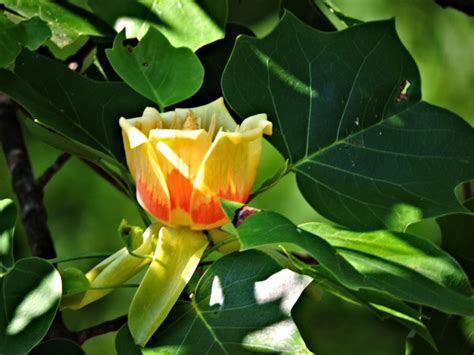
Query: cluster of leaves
348 118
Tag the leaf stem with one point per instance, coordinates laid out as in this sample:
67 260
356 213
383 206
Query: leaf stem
65 259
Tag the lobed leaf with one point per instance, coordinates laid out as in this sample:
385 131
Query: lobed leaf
347 114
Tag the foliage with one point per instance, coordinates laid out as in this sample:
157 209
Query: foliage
368 154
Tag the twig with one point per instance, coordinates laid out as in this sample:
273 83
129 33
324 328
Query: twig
52 170
103 328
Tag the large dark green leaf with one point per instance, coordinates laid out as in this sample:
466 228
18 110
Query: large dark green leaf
347 115
66 21
185 23
57 347
156 69
30 297
8 215
83 110
241 304
13 37
457 232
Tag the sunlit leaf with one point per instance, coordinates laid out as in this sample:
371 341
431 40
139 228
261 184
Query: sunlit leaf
405 266
347 115
81 109
30 296
155 69
185 23
31 34
242 304
66 21
8 215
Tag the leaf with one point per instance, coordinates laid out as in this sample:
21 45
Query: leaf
458 239
8 213
81 109
66 21
185 23
30 296
13 37
57 346
408 267
74 281
259 16
155 69
347 115
242 304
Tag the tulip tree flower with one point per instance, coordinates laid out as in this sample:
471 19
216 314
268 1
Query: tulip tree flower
183 162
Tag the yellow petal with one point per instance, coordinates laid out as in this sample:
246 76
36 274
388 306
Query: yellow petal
177 255
179 155
228 171
152 192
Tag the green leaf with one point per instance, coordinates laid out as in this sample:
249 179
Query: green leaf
66 21
81 109
57 346
242 304
457 238
30 34
30 296
8 213
259 16
185 23
155 69
347 115
408 267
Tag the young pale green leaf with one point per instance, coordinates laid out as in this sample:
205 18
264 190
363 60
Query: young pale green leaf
8 214
185 23
156 69
81 109
242 304
66 21
30 297
347 115
57 346
30 34
407 267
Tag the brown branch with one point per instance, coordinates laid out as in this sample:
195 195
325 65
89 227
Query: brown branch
30 195
466 6
43 180
103 328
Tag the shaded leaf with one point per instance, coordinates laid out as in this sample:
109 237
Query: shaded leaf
30 296
30 34
66 21
8 215
347 115
81 109
242 304
57 347
458 238
185 23
155 69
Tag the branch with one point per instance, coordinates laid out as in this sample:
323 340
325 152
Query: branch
466 6
30 196
103 328
52 170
